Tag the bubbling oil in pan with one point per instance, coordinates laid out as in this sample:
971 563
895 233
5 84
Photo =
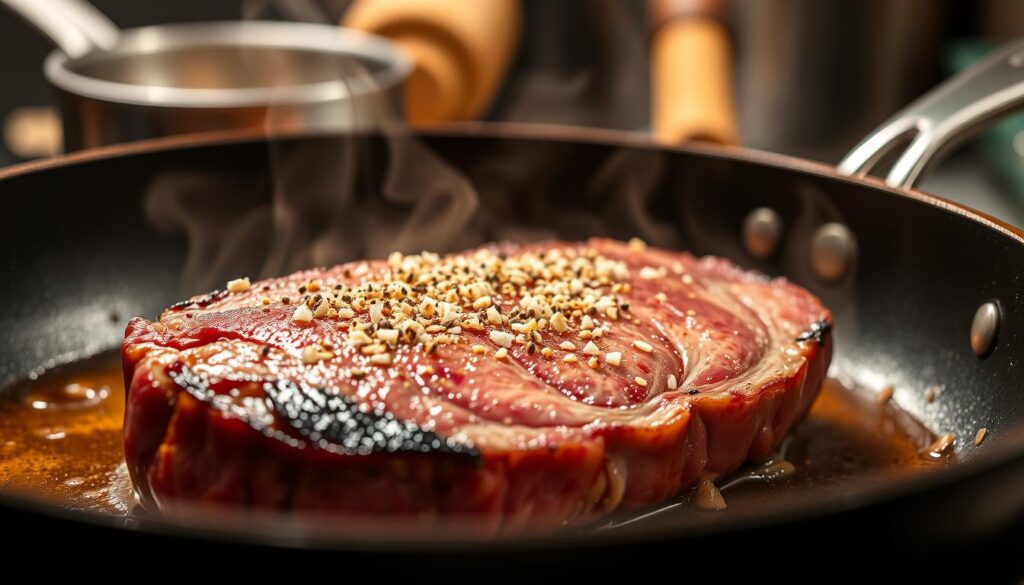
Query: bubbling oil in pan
60 442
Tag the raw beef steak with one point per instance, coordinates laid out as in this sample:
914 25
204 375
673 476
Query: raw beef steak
520 387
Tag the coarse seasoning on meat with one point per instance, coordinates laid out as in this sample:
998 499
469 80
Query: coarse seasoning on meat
520 387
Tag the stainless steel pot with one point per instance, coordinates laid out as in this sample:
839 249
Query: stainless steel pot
117 86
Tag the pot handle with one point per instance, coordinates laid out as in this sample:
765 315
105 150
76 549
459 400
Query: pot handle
942 117
75 26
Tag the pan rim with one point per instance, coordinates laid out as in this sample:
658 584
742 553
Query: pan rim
1008 452
521 131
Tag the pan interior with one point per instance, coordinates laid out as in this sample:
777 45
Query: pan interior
902 312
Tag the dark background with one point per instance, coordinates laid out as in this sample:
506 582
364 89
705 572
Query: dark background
559 38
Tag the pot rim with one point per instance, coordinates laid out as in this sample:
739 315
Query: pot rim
60 69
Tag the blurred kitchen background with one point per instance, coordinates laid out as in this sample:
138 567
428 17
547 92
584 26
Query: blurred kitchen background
808 77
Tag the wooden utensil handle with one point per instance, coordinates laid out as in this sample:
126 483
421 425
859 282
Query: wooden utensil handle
691 72
461 50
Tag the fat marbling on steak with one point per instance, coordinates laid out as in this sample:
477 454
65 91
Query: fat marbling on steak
523 387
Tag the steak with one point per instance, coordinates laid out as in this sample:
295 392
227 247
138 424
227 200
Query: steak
519 387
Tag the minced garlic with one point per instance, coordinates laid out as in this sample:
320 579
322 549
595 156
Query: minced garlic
302 314
643 346
502 338
239 285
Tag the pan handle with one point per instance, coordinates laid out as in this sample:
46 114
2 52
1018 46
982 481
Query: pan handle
948 113
75 26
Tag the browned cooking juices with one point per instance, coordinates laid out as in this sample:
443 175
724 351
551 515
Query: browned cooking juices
60 440
60 435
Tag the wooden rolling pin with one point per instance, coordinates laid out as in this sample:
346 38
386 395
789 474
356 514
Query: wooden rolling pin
691 72
462 50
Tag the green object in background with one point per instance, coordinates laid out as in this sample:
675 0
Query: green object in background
1003 145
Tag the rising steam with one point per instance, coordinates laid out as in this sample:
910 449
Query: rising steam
346 180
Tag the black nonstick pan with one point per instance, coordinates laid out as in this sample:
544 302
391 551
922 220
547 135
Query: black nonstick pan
924 292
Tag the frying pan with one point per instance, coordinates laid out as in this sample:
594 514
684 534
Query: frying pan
923 291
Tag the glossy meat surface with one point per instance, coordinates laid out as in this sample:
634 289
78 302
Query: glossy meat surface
520 387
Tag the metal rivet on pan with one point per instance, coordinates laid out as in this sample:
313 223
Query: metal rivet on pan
833 250
984 328
761 232
1017 59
